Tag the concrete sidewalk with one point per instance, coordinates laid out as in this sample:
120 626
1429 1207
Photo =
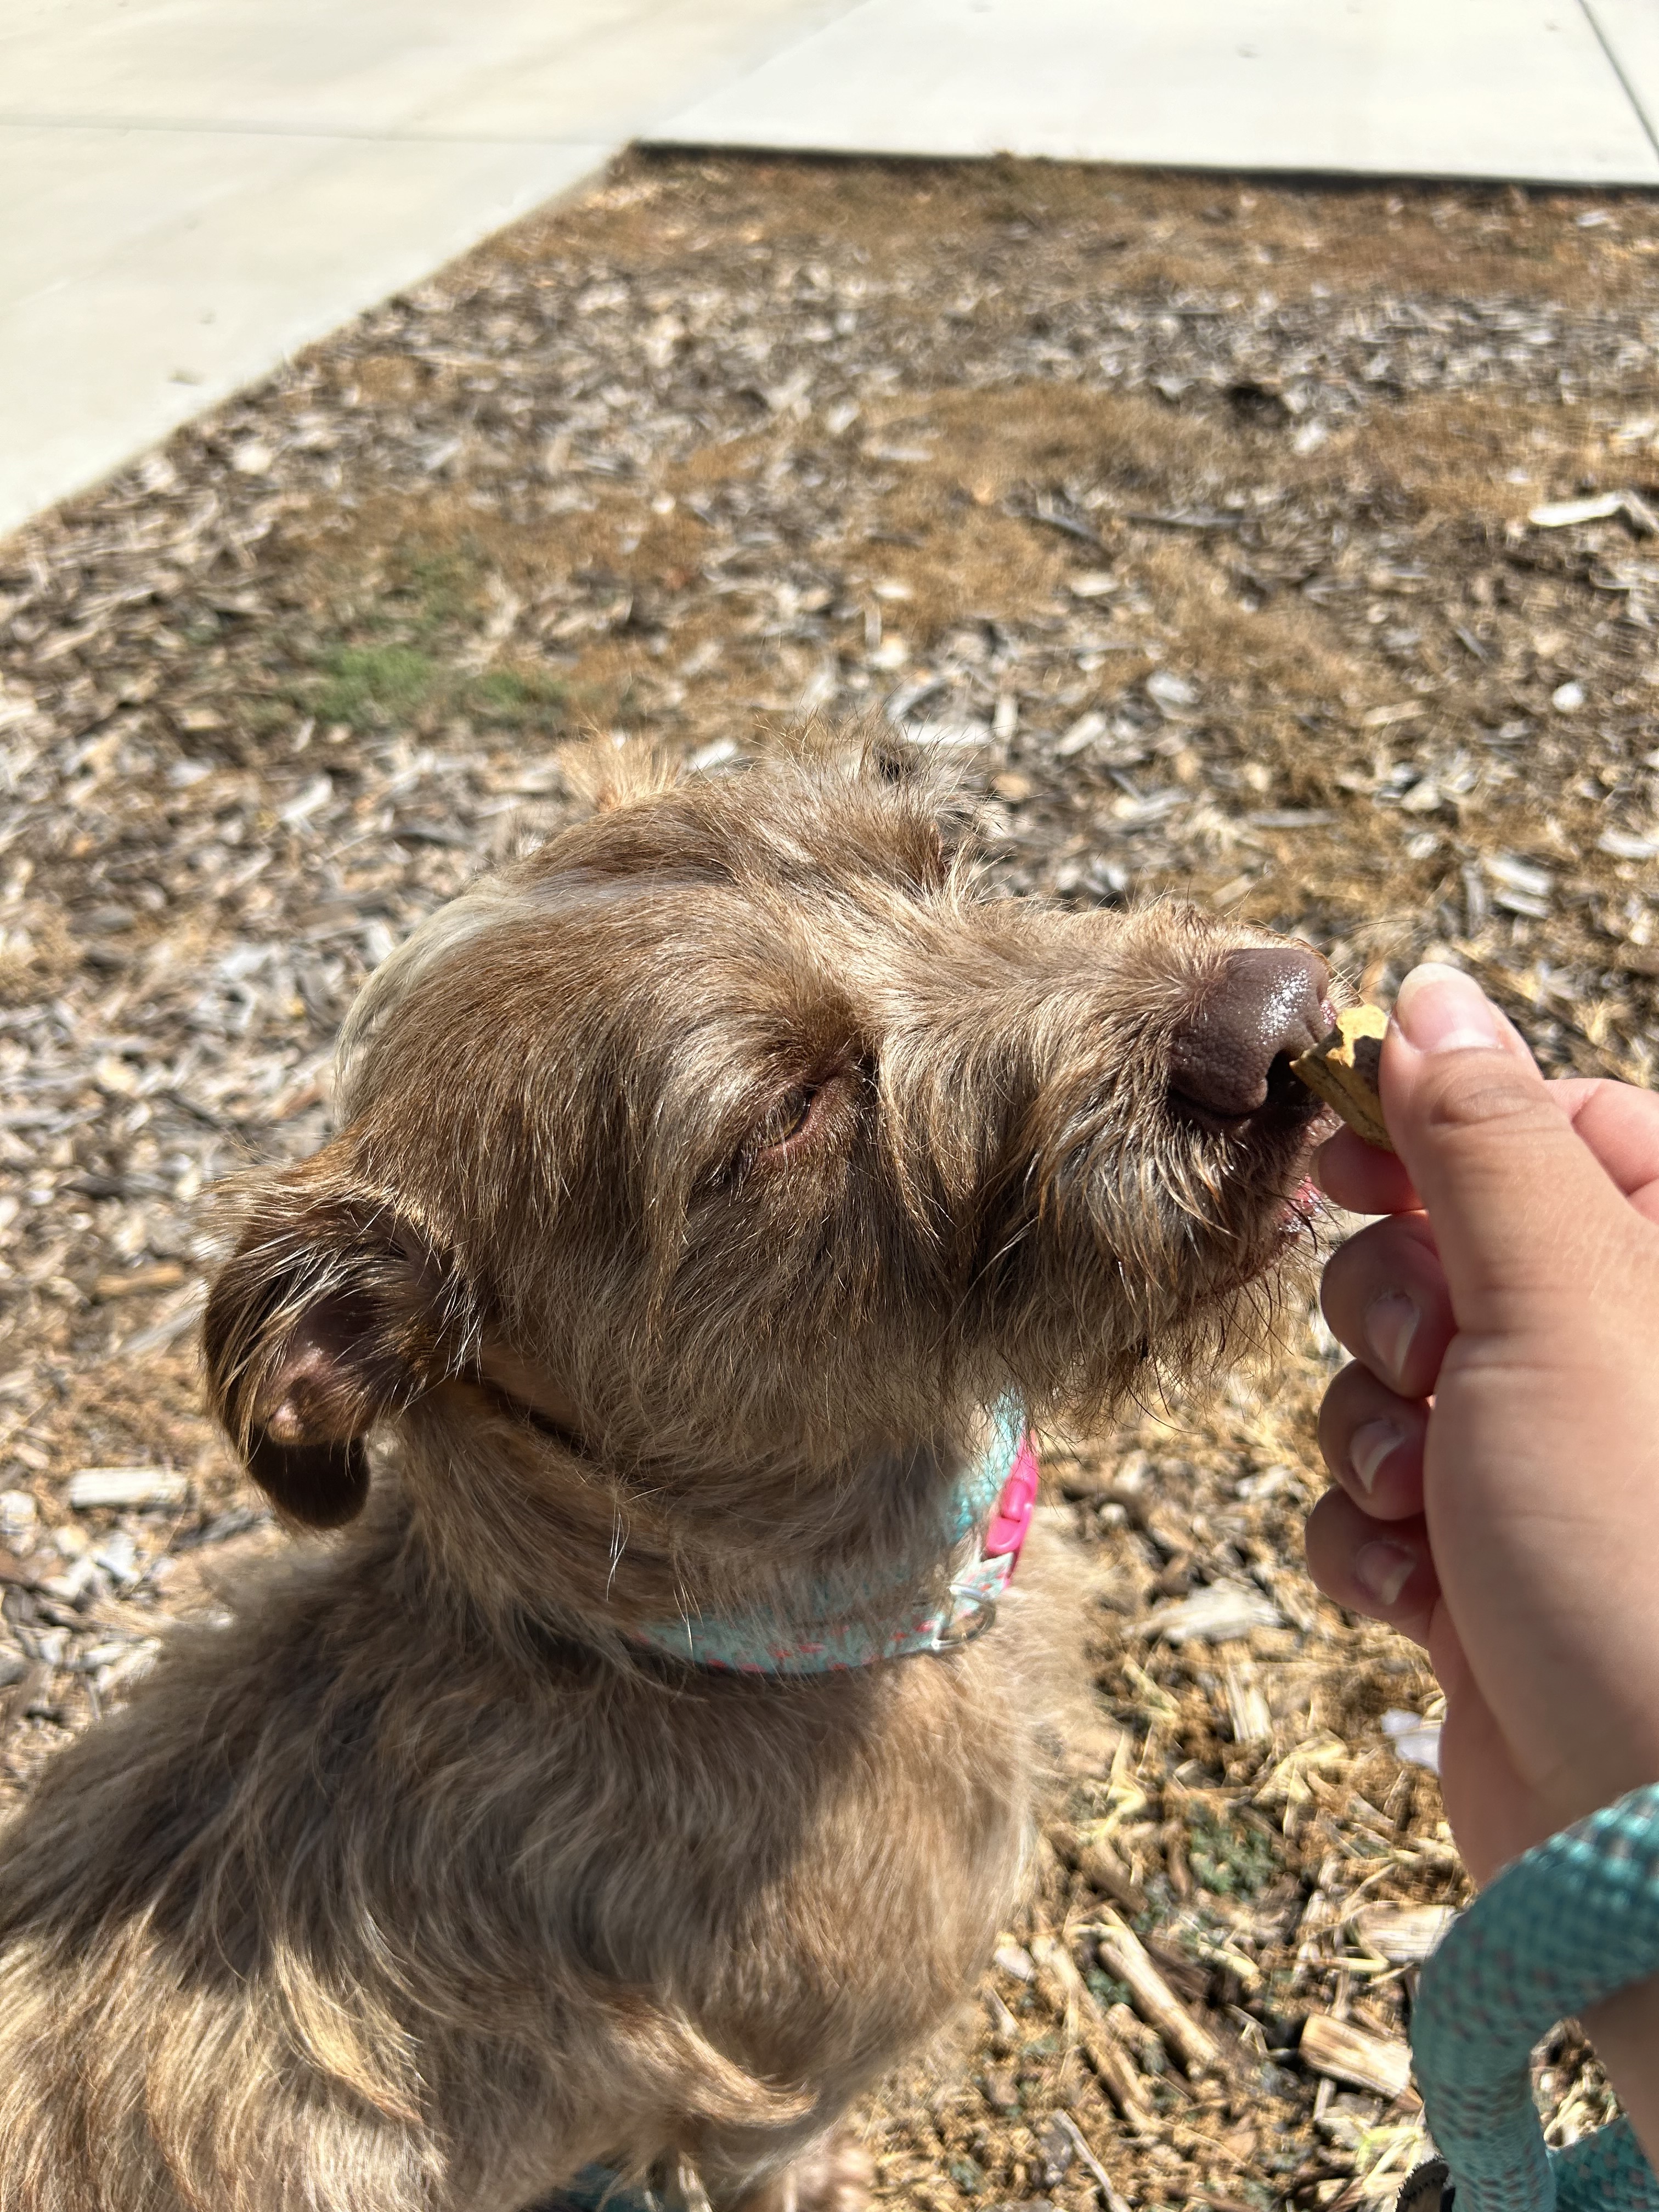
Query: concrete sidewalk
191 190
194 188
1562 91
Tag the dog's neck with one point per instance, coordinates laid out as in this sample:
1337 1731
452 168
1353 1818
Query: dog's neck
519 1501
535 1392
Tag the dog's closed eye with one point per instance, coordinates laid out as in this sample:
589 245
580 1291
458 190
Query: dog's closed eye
789 1120
799 1119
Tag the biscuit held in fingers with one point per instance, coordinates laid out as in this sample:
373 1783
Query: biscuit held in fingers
1343 1070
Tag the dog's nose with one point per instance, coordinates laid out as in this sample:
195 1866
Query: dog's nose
1265 1006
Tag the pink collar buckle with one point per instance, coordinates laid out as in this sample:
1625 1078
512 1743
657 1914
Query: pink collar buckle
975 1591
1012 1518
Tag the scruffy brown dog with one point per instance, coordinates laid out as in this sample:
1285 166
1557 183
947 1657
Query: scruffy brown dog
702 1180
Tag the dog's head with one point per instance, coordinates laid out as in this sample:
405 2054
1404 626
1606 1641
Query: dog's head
740 1125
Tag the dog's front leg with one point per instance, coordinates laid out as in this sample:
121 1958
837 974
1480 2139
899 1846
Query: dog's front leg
831 2172
832 2175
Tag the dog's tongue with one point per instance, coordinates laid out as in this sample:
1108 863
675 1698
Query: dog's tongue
1304 1201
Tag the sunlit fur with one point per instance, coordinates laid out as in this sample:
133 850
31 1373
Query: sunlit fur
745 1120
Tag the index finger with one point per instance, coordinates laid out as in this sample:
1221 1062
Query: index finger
1356 1174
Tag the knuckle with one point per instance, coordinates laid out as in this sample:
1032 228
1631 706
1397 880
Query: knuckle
1484 1091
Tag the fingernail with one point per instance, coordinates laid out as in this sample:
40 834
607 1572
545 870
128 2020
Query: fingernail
1440 1009
1391 1325
1383 1571
1368 1447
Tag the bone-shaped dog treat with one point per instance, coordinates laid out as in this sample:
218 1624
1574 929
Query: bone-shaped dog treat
1342 1070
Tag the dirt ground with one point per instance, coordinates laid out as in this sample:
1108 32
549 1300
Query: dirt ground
1224 534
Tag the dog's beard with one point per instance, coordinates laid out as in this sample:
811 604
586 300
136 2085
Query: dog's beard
1140 1275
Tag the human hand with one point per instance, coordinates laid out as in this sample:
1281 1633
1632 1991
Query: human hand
1505 1320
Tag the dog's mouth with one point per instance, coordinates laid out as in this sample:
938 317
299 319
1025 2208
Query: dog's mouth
1286 1204
1300 1207
1304 1204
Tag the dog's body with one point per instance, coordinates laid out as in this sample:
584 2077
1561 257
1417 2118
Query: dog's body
703 1180
355 1909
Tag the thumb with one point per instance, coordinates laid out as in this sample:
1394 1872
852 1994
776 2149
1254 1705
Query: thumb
1523 1214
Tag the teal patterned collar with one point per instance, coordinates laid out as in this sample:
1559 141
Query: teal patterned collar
990 1512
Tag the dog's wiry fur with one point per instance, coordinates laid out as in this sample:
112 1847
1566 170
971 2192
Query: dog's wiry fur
737 1133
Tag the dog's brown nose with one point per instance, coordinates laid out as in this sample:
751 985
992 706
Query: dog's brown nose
1265 1006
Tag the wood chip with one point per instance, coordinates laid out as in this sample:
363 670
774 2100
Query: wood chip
1066 1994
167 1277
1564 514
1219 1613
126 1486
25 1696
179 1314
1122 1952
1402 1934
1346 2053
1100 1867
1246 1705
1074 2134
1601 507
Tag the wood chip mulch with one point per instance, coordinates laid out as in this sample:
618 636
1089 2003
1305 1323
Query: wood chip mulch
1293 548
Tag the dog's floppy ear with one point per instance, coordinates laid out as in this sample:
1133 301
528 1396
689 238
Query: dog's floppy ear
328 1315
